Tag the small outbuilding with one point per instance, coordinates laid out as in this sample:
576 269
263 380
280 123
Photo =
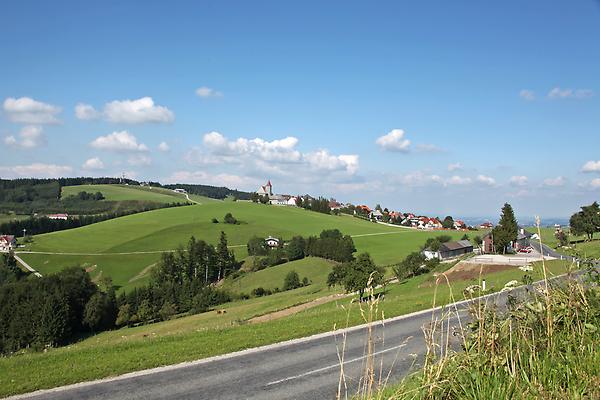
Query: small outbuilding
450 250
272 242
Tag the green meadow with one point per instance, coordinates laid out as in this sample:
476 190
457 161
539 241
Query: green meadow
125 192
123 247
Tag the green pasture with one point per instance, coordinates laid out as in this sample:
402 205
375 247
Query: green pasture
125 192
204 335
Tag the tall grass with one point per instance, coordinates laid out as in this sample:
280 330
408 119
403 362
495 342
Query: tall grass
544 344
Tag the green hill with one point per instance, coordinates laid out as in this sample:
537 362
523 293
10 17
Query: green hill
126 192
313 268
129 244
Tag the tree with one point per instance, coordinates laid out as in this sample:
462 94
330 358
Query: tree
411 265
291 281
295 248
507 229
355 275
225 258
587 221
99 312
448 222
256 246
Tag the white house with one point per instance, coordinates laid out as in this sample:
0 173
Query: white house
292 201
378 215
59 216
278 200
272 242
7 242
179 190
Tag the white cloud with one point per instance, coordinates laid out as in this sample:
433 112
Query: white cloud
555 182
118 141
459 180
93 164
518 180
139 160
30 136
86 112
455 167
595 183
527 94
591 166
164 147
137 111
486 180
282 150
558 93
322 160
208 92
26 110
394 141
36 170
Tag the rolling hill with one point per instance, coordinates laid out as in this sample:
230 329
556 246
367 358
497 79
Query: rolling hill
123 247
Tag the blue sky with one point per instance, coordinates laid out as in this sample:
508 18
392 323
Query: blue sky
435 107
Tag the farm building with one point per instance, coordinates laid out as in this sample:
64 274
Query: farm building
7 242
272 242
450 250
59 216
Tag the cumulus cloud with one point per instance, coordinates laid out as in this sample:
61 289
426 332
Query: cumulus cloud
591 166
394 141
459 180
164 147
278 157
486 180
558 93
29 137
555 182
139 111
26 110
527 94
121 141
86 112
208 92
36 170
518 180
93 164
455 167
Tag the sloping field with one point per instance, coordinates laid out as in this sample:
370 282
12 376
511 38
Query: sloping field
313 268
125 192
135 241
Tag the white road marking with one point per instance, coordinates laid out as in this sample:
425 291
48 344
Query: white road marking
316 371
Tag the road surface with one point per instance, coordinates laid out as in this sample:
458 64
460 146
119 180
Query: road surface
27 266
307 368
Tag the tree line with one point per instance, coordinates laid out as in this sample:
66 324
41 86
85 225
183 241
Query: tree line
331 244
56 309
213 192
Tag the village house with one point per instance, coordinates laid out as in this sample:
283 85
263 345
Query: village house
449 250
334 205
292 201
7 243
459 225
364 209
486 225
376 215
272 242
59 216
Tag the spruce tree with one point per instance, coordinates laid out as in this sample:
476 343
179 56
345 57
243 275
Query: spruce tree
507 229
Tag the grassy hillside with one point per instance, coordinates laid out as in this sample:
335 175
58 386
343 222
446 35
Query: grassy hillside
203 335
166 229
125 192
315 269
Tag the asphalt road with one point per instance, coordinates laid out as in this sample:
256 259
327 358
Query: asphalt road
308 368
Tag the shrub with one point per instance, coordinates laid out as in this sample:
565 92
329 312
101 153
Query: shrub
230 219
214 220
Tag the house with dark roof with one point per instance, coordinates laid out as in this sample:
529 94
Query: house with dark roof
449 250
